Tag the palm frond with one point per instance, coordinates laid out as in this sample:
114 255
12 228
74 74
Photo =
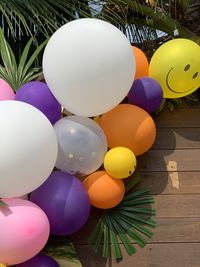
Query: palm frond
166 16
126 223
45 16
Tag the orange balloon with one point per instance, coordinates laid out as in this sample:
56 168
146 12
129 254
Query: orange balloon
129 126
104 191
141 61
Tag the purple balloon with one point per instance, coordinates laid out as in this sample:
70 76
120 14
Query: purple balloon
65 201
39 261
38 95
146 93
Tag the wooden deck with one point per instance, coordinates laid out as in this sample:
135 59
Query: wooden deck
172 172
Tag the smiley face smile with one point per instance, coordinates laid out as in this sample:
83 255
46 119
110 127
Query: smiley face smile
167 83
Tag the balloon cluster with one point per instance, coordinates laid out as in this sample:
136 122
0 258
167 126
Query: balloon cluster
89 67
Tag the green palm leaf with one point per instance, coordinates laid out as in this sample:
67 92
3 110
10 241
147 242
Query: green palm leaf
128 222
45 15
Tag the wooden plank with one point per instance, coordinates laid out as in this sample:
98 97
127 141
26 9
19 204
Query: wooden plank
177 138
163 160
171 230
179 118
177 205
170 182
153 255
168 230
162 255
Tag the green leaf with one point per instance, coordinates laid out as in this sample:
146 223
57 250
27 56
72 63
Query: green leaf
2 203
122 235
62 250
8 58
137 202
162 106
33 57
99 236
139 227
139 210
15 75
134 235
32 75
125 222
132 182
105 240
136 194
113 238
145 221
95 232
23 58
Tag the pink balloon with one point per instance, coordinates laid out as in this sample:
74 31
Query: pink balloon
24 231
6 92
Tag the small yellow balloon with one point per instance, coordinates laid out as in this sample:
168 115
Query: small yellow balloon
176 66
120 162
2 265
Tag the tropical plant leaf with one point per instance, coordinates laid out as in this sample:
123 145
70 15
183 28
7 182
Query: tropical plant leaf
62 250
8 58
161 108
18 74
105 239
2 203
132 182
113 238
33 57
121 233
126 223
23 57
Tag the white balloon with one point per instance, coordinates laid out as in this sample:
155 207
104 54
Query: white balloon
89 66
28 148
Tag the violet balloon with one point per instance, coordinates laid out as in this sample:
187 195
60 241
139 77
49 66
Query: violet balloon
39 261
65 201
146 93
38 95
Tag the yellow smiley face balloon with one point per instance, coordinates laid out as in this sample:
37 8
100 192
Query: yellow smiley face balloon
2 265
120 162
176 66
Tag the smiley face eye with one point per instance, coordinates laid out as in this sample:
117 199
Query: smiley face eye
130 172
195 75
187 67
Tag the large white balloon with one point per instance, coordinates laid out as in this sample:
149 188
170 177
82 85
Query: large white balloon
89 66
28 148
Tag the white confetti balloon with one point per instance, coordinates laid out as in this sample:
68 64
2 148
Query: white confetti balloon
82 145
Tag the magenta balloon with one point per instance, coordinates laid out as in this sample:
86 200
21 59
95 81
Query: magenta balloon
38 95
39 261
65 201
146 93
